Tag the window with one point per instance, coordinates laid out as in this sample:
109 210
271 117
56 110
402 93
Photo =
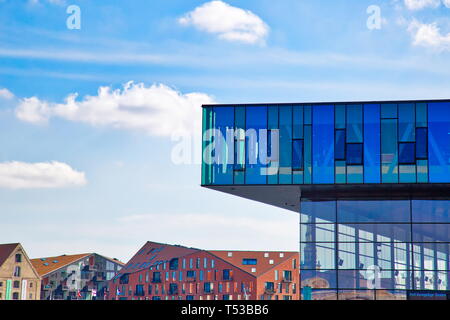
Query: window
248 262
156 277
190 274
15 296
406 153
205 263
139 290
207 287
354 153
297 154
18 257
16 284
16 271
339 148
421 143
149 289
213 263
226 274
173 264
184 263
201 275
269 286
230 254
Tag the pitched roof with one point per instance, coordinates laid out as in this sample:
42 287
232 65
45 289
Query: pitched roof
6 250
266 260
152 253
49 264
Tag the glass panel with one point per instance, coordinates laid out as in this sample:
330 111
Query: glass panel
431 232
307 114
355 174
354 124
439 142
324 210
388 111
285 175
297 154
389 157
354 153
318 279
341 173
407 174
422 171
256 120
407 153
373 210
317 232
273 125
224 145
308 155
339 151
340 116
298 122
421 115
317 256
323 144
421 143
406 122
207 123
431 211
356 295
372 170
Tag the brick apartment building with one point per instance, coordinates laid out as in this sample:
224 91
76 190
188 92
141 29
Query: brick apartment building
18 278
173 272
76 277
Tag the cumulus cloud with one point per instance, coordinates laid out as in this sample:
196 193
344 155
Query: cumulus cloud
158 109
22 175
446 3
228 22
421 4
6 94
429 35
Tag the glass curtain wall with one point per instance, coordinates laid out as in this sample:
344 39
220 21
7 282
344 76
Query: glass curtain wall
374 249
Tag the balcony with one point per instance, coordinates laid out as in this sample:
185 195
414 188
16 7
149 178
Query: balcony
286 279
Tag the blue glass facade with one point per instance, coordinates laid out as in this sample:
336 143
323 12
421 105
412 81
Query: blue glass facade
371 182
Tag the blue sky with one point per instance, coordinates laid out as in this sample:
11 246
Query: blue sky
87 174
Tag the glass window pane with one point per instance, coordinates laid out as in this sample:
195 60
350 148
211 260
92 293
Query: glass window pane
298 122
256 120
339 151
431 211
407 153
389 156
406 122
373 210
340 116
354 153
297 154
372 167
354 123
323 144
388 111
285 173
421 143
439 142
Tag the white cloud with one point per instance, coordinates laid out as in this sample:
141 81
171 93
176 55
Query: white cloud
158 110
421 4
429 35
6 94
446 3
228 22
22 175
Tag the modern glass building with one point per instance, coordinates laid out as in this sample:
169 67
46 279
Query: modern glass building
371 181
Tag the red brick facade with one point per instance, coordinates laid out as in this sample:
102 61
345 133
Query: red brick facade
166 272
